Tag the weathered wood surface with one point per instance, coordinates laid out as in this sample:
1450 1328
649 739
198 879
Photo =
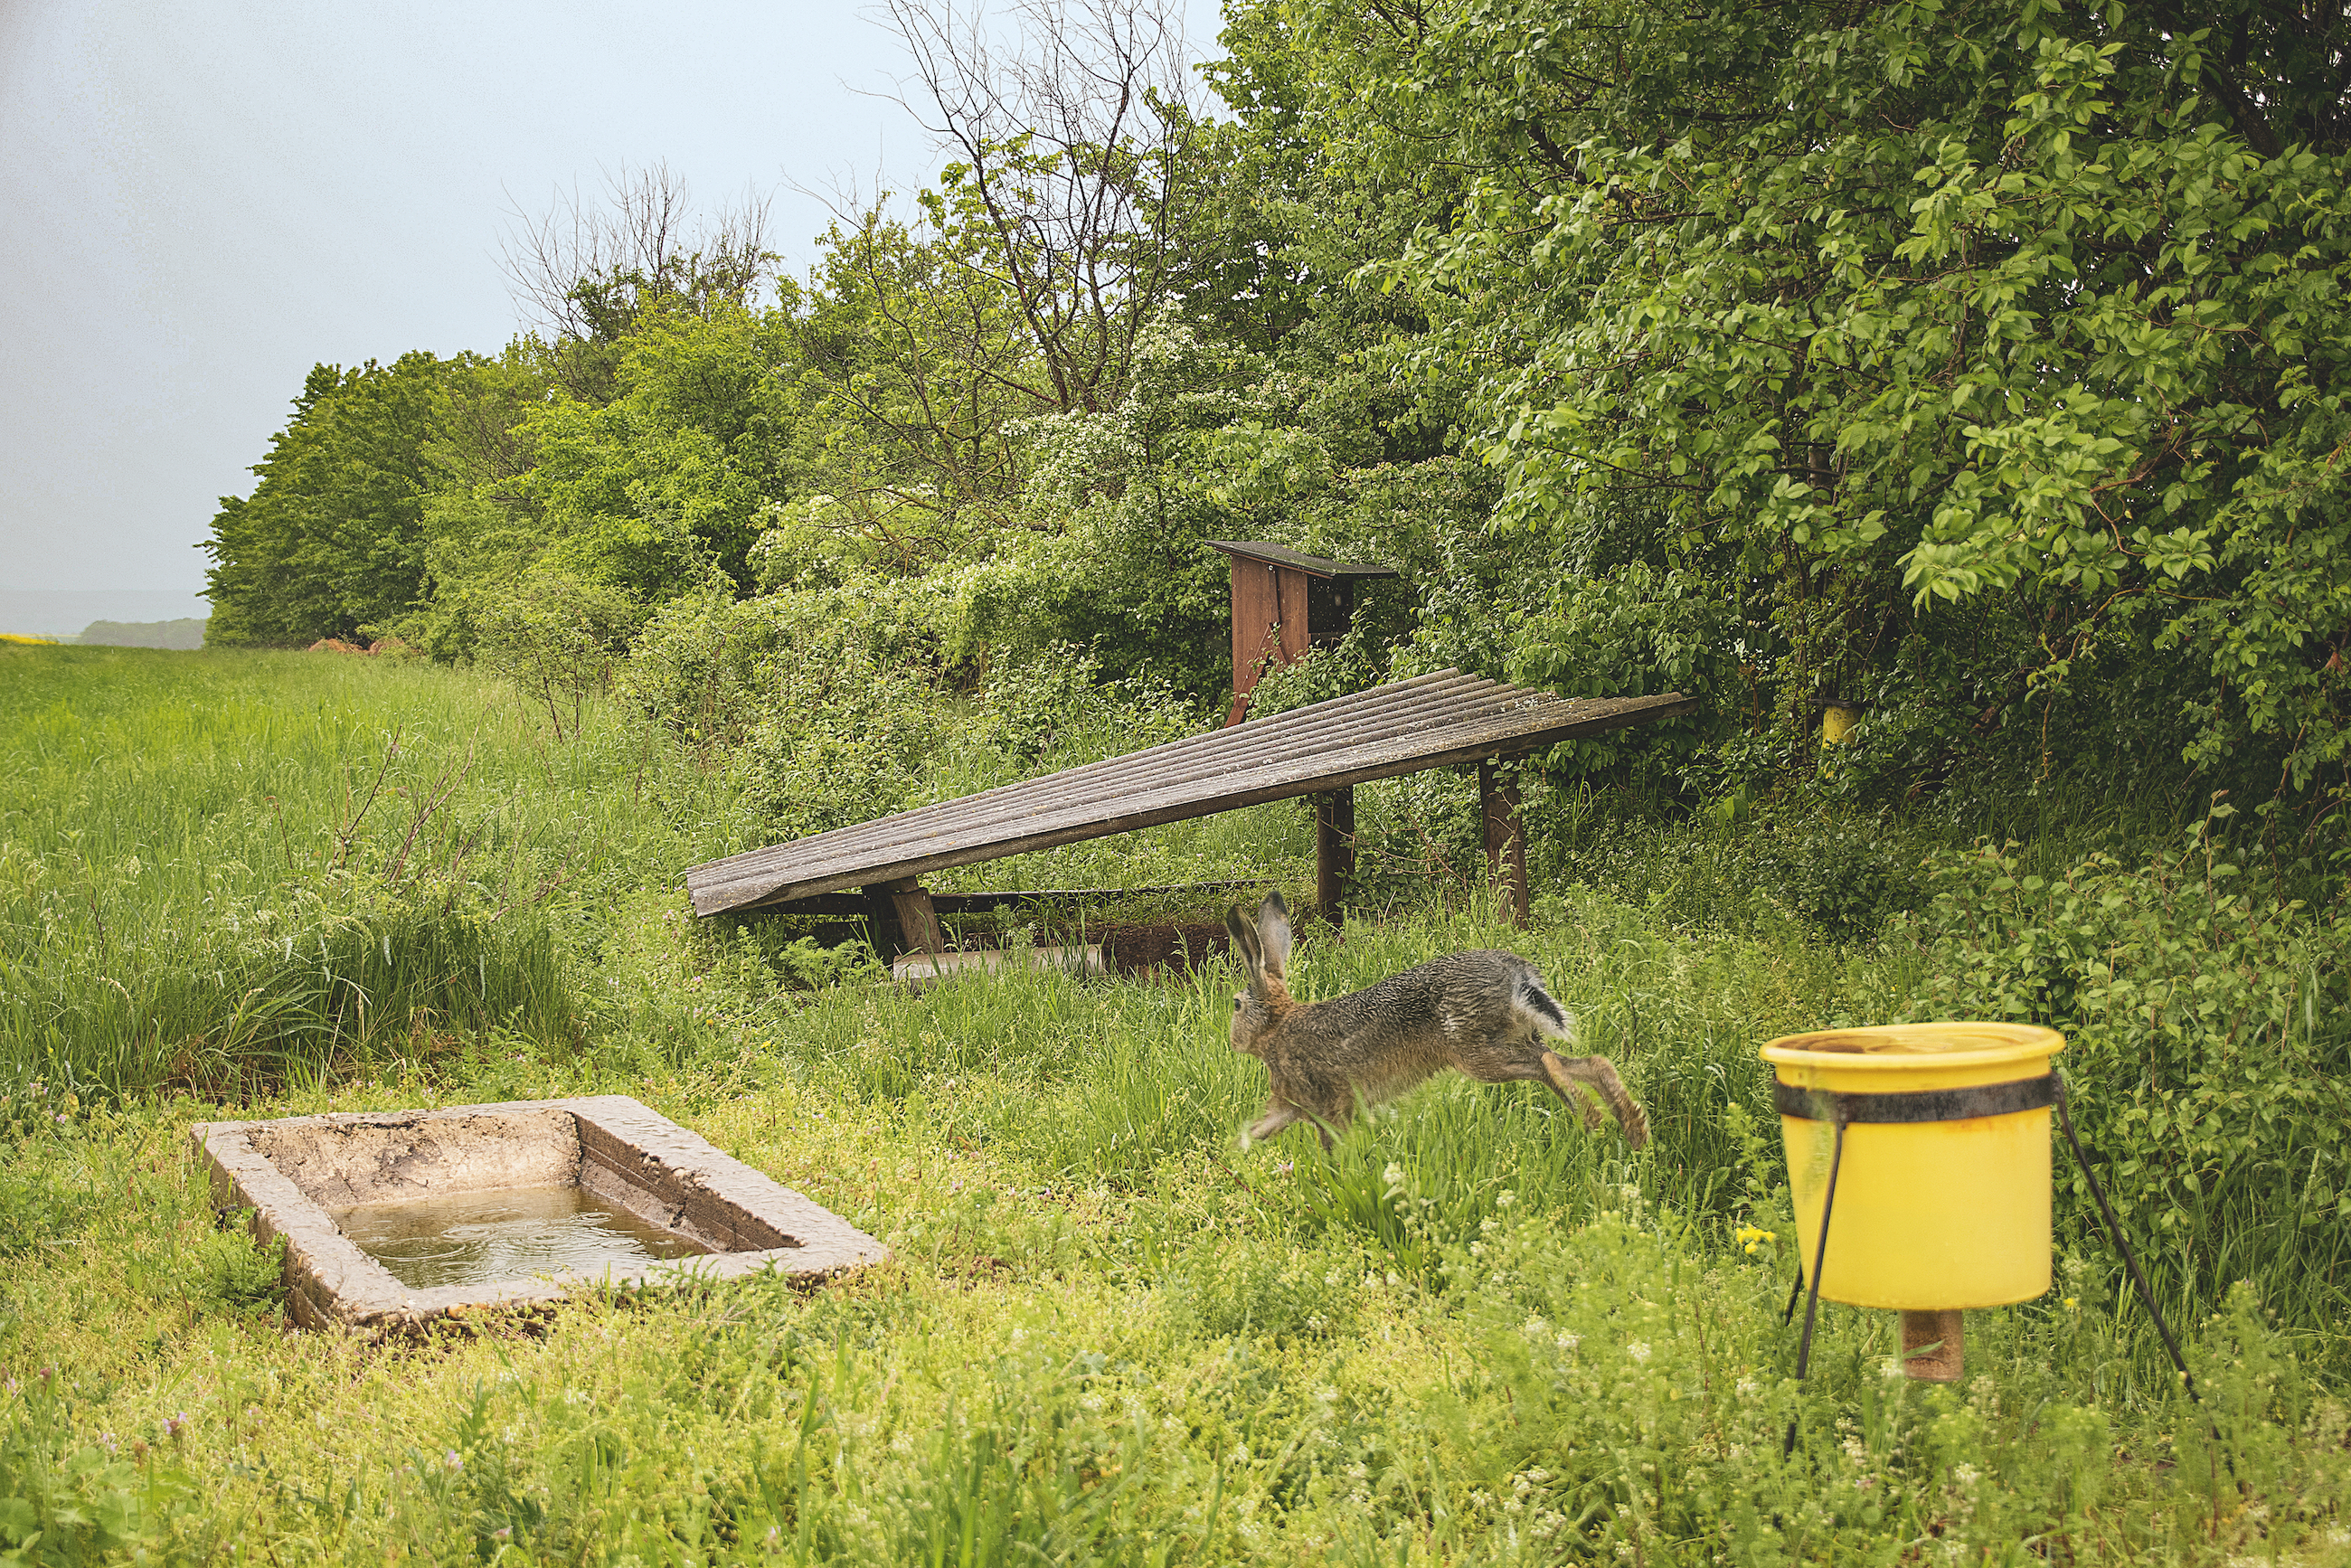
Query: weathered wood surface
1433 721
1506 839
1298 560
918 922
1335 850
1275 591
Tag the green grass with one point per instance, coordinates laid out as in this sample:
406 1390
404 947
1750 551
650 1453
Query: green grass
212 865
1474 1334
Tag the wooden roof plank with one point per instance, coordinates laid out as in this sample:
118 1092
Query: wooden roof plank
1215 753
761 874
802 869
1310 728
1298 560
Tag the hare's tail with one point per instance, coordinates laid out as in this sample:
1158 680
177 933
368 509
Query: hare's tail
1551 1021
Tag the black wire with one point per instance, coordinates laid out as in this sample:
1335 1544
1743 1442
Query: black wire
2122 1243
1820 1262
1821 1248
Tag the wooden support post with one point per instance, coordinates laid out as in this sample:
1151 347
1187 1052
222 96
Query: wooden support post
1506 840
1942 1329
1334 850
917 919
902 920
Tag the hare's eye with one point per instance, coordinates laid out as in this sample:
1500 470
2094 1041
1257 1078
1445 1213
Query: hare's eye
1236 1004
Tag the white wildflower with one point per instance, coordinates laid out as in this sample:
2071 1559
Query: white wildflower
1638 1350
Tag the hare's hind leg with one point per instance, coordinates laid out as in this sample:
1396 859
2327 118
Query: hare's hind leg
1566 1075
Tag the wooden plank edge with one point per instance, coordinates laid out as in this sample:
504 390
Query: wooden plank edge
1672 704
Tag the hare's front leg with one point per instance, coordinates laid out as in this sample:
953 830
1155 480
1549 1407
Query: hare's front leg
1598 1073
1279 1114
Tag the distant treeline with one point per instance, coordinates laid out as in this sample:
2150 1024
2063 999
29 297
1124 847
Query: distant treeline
183 633
1980 365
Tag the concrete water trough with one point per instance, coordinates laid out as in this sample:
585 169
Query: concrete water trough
392 1219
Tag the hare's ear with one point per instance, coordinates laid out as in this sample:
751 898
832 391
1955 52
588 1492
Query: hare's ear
1273 931
1245 944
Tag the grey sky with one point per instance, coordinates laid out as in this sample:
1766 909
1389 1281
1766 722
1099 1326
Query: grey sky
202 201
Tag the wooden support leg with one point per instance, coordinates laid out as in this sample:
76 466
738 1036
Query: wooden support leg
917 919
1506 841
1942 1329
1334 850
902 919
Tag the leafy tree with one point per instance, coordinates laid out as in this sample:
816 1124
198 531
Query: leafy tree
1892 314
918 367
668 483
589 274
332 537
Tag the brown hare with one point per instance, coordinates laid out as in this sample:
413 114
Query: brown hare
1484 1012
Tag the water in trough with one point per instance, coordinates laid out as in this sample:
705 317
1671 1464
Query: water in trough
479 1238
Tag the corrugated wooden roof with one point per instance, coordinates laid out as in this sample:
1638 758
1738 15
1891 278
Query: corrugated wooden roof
1446 717
1297 561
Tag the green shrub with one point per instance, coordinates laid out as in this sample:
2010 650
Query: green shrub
1845 877
1058 711
843 742
557 638
2208 1045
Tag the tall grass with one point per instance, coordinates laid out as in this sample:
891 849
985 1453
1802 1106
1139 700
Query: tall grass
213 865
1197 1373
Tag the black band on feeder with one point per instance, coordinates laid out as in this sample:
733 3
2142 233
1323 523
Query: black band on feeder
1918 1105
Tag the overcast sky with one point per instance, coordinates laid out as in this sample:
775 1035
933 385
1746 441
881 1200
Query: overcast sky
202 201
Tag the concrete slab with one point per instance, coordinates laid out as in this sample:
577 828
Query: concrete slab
919 971
291 1171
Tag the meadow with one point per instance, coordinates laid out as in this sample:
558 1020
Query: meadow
261 885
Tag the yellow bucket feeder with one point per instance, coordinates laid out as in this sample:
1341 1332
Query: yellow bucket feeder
1925 1149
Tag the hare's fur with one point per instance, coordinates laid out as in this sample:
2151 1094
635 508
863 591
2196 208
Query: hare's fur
1485 1012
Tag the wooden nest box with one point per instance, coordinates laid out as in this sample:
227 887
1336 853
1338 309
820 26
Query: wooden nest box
1284 602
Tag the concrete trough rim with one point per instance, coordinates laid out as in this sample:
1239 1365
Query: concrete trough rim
331 1282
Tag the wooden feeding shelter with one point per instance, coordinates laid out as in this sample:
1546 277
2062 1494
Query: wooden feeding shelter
1284 602
1325 750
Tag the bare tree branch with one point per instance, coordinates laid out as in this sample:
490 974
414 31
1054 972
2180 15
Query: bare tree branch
1068 133
579 269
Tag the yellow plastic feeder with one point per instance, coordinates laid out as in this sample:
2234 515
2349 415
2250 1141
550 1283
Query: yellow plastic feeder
1941 1189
